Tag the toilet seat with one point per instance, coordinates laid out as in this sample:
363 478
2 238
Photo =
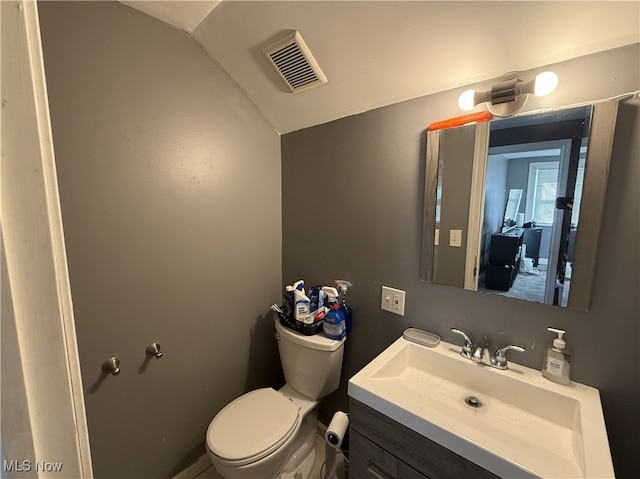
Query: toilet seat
252 426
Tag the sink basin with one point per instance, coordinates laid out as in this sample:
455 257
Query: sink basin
522 426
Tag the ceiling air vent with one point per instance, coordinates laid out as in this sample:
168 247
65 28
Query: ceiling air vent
294 62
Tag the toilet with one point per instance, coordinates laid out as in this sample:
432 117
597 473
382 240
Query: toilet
266 434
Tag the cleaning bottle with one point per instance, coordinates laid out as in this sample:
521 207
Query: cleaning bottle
557 360
302 305
333 322
342 285
288 301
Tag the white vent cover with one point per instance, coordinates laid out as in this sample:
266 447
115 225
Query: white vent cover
293 60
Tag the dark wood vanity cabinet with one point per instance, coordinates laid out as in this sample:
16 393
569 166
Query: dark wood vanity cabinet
504 259
381 448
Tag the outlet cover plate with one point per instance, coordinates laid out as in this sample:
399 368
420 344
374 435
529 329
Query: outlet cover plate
455 238
392 300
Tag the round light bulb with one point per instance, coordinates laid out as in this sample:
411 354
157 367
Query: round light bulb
546 82
466 100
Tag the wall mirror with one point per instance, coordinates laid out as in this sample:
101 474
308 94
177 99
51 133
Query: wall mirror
512 210
513 207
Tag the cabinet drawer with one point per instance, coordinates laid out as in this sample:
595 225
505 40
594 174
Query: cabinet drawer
423 455
369 461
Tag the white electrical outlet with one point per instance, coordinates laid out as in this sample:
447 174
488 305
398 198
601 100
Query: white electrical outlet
392 300
455 238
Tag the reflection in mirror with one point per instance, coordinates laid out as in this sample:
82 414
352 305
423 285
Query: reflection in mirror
514 194
541 262
511 210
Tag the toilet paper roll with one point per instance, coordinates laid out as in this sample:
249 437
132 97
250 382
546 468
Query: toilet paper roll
337 429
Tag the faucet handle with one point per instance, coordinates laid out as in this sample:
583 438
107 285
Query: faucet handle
499 360
468 347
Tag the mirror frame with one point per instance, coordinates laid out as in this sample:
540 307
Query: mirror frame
600 144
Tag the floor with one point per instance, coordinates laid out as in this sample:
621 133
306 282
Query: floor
203 469
530 285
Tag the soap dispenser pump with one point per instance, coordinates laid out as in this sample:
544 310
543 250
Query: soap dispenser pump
557 360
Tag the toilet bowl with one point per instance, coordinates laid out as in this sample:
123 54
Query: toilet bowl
265 433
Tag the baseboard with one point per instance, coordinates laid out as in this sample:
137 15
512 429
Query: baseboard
194 469
197 467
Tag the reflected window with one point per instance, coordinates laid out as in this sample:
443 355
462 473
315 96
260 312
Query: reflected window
438 202
575 213
543 190
543 185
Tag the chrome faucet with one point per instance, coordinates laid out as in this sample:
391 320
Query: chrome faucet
499 359
477 353
469 350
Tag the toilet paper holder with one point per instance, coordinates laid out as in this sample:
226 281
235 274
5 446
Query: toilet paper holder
334 436
337 429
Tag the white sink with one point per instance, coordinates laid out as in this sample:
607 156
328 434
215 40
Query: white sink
525 426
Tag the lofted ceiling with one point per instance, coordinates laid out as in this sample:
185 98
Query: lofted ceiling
378 53
183 14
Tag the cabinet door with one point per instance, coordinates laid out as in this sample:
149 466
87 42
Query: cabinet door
405 453
369 461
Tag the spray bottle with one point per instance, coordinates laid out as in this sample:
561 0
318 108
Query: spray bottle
333 322
342 285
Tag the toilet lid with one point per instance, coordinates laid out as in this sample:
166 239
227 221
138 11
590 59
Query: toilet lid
252 426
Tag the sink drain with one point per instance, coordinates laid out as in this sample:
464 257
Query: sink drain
472 401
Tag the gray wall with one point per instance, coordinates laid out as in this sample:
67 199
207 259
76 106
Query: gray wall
171 202
456 156
372 207
495 197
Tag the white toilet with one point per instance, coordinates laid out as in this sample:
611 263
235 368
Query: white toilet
267 434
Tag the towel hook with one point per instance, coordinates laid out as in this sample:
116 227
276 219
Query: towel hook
111 366
153 350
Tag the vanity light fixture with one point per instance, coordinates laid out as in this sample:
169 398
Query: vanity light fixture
507 97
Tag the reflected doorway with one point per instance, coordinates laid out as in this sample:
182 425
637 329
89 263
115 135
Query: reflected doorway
526 247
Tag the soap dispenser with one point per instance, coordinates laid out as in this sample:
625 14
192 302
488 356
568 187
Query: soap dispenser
557 360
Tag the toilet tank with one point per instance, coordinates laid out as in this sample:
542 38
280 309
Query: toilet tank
311 364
